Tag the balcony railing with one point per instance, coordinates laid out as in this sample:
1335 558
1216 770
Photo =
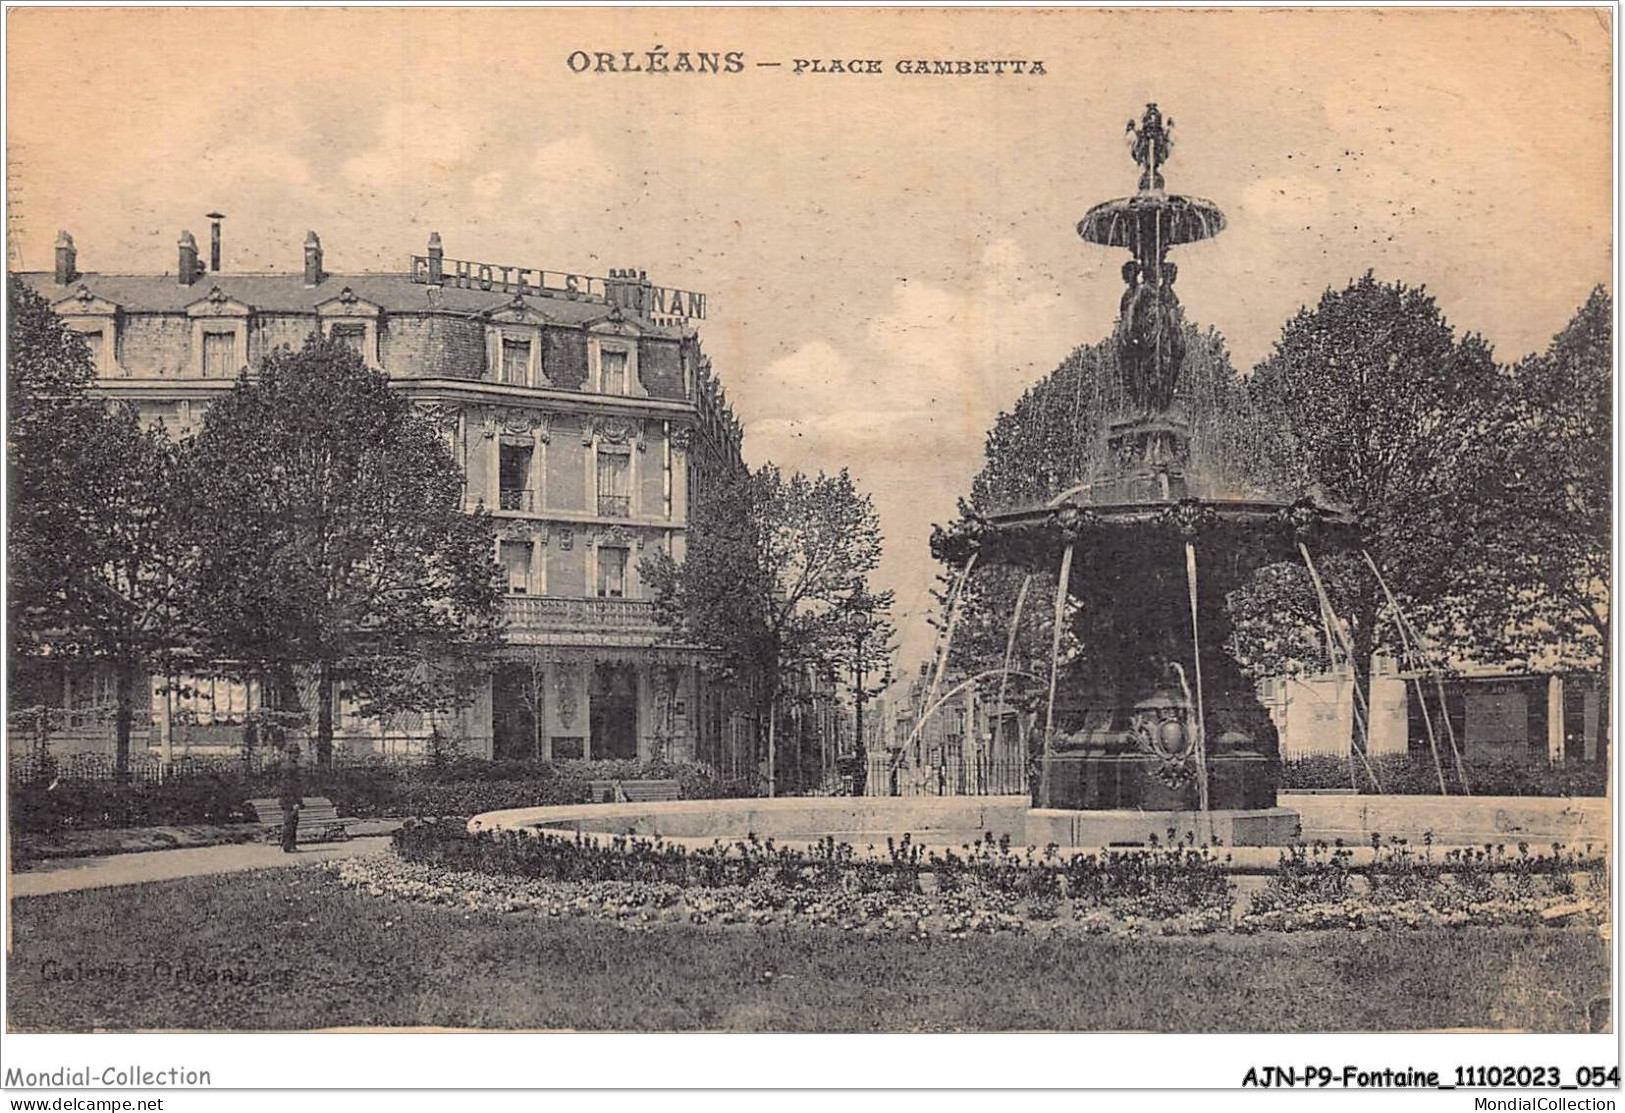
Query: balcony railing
516 498
542 612
614 506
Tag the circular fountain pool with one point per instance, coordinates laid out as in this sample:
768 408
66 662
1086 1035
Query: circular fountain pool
955 821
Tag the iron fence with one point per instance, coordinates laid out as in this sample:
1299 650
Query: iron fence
972 775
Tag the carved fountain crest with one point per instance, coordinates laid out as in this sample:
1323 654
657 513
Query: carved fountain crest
1151 145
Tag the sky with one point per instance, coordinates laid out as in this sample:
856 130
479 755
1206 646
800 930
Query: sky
890 259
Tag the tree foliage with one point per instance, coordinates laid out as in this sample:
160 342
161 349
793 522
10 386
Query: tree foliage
96 553
1548 594
50 422
331 537
1377 407
1055 436
1277 626
866 648
776 577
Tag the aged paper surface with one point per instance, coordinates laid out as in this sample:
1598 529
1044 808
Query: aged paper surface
890 258
869 217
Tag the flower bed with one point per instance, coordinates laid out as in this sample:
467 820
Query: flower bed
1317 886
1178 889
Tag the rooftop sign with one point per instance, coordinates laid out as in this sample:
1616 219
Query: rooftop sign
624 288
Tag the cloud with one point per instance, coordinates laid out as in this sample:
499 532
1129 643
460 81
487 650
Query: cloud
957 353
569 169
418 146
906 398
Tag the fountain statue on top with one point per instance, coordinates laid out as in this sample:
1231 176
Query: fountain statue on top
1150 336
1156 726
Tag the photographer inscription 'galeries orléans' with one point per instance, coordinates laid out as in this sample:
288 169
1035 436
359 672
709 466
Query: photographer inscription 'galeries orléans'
586 419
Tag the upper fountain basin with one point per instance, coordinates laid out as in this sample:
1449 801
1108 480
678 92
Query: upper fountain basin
1151 217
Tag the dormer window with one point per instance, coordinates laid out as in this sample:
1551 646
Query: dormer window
353 337
95 342
219 335
96 320
516 361
613 372
612 365
612 356
353 322
513 344
220 355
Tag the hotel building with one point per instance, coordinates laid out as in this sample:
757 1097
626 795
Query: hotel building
584 415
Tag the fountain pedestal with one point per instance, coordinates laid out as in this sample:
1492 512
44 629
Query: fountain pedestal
1242 779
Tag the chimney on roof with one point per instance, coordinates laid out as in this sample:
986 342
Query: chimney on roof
313 259
67 259
214 240
437 260
628 289
188 270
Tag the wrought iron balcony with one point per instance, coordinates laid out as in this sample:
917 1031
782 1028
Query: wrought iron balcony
614 506
516 498
543 612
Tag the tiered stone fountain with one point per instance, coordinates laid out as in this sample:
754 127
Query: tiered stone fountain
1157 729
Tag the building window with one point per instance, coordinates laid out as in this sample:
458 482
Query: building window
614 484
612 372
219 355
93 341
353 337
611 573
516 564
513 478
516 361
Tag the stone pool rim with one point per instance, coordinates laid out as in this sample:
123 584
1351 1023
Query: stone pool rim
942 822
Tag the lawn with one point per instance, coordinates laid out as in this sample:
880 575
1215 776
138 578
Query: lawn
292 949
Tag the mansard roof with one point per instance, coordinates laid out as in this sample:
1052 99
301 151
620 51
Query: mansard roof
287 293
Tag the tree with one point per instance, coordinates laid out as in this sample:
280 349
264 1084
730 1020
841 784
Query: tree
1376 406
1055 436
865 647
1277 628
1542 540
50 418
770 564
96 557
141 563
331 540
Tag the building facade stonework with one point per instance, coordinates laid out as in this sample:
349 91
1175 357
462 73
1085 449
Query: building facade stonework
586 423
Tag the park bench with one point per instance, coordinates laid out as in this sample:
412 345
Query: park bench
631 792
318 819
